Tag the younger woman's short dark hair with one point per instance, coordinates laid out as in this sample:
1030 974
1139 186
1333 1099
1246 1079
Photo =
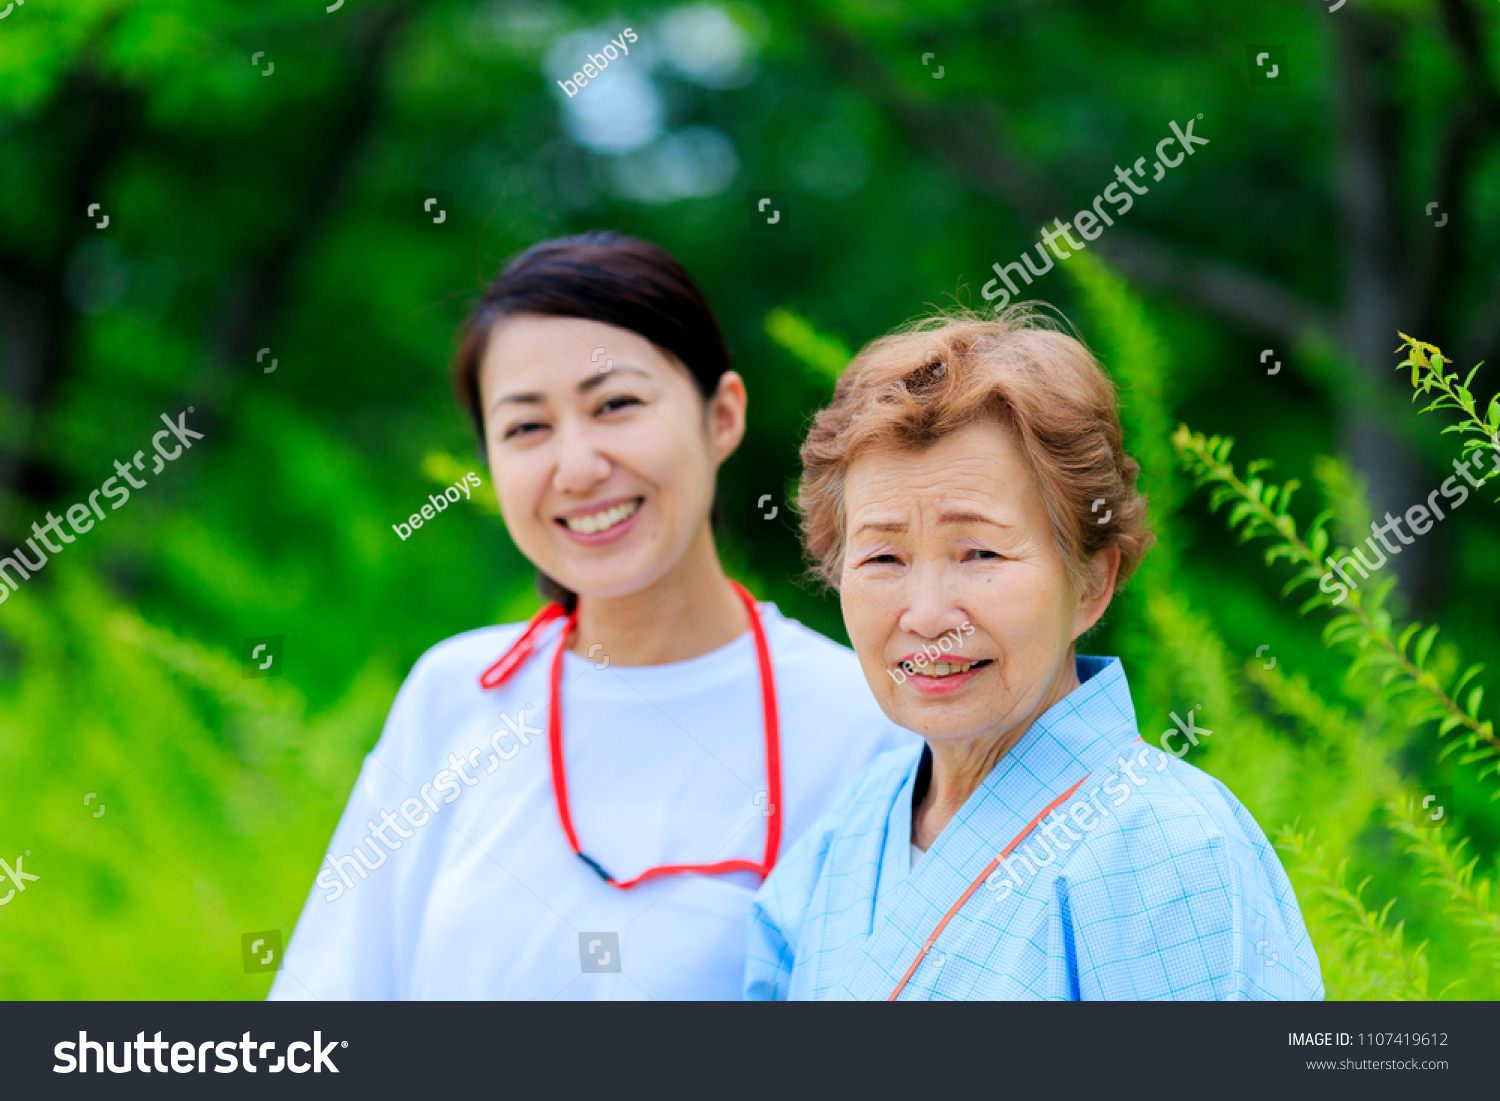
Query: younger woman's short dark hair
601 276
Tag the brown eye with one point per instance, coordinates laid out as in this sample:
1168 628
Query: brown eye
519 429
620 401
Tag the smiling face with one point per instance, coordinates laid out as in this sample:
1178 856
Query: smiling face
951 549
603 461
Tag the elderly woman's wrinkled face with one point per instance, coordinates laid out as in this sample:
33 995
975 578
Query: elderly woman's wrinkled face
955 594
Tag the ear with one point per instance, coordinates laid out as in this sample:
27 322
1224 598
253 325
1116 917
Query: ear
1103 568
726 415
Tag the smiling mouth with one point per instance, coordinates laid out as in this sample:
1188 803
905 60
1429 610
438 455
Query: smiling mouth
603 520
941 668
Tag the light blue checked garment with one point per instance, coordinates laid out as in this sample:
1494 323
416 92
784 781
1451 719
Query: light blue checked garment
1150 881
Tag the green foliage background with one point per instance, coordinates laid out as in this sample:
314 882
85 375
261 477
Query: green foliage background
277 212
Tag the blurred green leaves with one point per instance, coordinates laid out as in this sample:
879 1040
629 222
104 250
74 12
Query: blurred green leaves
824 357
252 212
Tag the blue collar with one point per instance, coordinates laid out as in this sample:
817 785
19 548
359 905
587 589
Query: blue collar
1088 725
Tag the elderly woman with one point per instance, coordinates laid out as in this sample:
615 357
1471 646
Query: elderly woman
1035 846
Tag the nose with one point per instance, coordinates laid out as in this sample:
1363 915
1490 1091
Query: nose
931 605
580 464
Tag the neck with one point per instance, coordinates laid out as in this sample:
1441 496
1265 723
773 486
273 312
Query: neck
689 612
960 765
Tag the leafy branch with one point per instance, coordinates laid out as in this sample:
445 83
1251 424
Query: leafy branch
1366 937
1429 375
1261 509
1444 867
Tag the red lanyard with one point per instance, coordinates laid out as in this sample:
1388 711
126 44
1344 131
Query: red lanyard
501 671
990 867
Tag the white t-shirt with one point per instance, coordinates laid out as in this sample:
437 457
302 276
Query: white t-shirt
665 764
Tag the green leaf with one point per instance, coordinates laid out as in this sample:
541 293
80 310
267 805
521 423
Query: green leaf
1469 674
1424 644
1405 638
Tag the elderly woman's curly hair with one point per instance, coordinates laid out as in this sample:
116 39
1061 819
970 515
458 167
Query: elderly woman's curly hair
908 390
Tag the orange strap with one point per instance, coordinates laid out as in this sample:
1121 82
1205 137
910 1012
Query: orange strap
990 867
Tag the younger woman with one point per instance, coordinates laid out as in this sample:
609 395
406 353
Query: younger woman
584 806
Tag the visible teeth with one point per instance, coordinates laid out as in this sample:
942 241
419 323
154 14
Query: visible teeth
603 521
940 669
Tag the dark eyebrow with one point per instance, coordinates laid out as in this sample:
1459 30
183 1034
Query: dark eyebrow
899 526
596 379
